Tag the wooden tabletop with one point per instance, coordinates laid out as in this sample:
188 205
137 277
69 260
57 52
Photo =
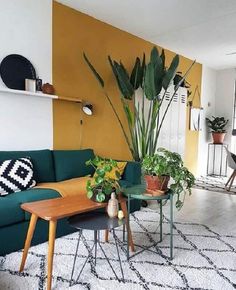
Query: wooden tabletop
57 208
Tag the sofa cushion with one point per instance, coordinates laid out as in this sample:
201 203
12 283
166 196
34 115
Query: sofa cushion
16 175
132 172
124 183
42 161
71 163
10 210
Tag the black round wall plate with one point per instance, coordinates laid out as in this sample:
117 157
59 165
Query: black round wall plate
14 69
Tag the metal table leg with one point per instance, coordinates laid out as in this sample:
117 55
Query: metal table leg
127 227
96 243
76 253
118 254
123 233
90 252
161 220
171 226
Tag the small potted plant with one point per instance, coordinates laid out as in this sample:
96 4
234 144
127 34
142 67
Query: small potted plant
162 167
154 180
100 188
217 126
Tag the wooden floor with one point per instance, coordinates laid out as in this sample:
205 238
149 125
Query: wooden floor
210 208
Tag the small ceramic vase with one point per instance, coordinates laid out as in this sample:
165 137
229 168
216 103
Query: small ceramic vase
120 214
48 89
112 208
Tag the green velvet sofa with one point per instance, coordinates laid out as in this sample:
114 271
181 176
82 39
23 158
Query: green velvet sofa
49 166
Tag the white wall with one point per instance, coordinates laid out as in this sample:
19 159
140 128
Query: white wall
225 83
217 97
26 29
208 92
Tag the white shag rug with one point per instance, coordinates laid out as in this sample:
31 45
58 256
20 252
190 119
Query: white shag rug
215 184
203 259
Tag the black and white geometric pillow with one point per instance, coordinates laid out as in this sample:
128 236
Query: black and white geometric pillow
16 175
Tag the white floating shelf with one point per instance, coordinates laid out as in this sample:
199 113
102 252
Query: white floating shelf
40 95
26 93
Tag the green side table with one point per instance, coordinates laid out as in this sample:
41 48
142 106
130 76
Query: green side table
137 192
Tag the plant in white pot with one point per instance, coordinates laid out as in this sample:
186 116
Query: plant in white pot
217 126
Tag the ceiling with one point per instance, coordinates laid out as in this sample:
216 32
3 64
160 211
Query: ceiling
204 30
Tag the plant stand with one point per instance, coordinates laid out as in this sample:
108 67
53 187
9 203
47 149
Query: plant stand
216 160
138 193
95 222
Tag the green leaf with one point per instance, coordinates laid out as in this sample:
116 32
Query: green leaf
149 82
124 70
100 172
108 168
113 70
155 110
90 194
96 74
100 197
158 75
170 73
136 75
130 115
99 179
127 89
143 68
154 55
108 190
163 57
88 162
179 204
122 79
88 185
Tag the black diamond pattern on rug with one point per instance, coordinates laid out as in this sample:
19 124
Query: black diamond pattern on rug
204 259
214 183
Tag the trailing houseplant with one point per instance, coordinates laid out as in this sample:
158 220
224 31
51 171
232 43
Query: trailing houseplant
100 188
140 93
164 165
217 126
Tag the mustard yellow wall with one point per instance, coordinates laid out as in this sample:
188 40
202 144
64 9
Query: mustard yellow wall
73 33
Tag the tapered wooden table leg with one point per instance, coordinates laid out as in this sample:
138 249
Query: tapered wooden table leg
106 236
30 233
125 211
51 243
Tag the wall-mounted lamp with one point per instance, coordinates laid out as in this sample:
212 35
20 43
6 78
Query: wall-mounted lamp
87 109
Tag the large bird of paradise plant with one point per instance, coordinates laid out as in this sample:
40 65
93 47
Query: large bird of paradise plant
150 78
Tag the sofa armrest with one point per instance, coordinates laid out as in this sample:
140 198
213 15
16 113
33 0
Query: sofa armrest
132 173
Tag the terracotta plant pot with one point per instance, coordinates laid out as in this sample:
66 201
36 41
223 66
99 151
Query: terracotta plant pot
157 182
218 138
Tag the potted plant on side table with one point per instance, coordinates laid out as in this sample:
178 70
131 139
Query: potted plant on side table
217 126
99 189
165 166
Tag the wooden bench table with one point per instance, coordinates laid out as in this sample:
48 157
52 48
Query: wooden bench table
52 210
